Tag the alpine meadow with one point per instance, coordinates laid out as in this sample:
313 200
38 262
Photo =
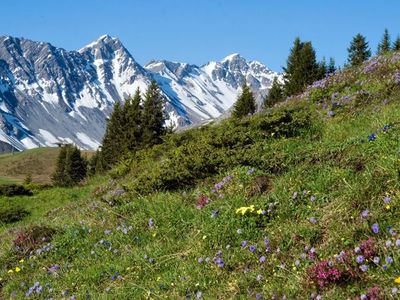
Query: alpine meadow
224 181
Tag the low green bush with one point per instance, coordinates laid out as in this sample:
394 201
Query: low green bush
12 214
10 190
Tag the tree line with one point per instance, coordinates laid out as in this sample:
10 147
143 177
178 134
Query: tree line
302 69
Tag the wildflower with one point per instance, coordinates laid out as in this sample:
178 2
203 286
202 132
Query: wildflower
312 198
294 196
398 242
239 231
297 263
262 259
363 297
376 260
357 249
364 268
21 261
259 296
259 277
215 213
252 248
365 214
10 271
375 228
331 113
397 280
200 260
250 171
389 260
244 244
207 260
360 259
372 137
199 295
386 199
395 291
17 269
313 220
388 244
151 223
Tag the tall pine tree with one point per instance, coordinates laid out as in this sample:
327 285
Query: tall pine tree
153 115
114 143
275 94
133 112
245 104
331 67
396 44
384 46
358 51
302 68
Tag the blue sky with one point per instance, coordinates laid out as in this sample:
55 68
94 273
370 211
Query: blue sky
197 31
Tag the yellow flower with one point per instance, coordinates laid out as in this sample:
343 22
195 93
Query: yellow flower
259 212
387 207
17 269
154 234
10 271
204 237
21 261
397 280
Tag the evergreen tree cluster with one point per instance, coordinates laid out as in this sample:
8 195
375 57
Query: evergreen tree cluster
136 124
71 167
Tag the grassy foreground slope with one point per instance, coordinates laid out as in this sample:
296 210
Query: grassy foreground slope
299 202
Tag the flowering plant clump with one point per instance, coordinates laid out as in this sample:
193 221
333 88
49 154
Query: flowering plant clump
324 273
202 201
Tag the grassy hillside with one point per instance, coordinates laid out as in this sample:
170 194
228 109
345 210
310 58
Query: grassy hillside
299 202
39 162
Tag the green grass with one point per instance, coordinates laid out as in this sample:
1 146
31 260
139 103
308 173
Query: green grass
105 248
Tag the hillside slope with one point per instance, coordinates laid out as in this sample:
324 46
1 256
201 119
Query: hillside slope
299 202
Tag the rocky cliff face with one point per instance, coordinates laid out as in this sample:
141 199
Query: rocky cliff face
50 95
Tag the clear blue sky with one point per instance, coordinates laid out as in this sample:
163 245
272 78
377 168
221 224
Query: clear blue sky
197 31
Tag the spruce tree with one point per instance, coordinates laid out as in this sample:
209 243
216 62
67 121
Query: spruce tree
245 104
70 168
134 119
323 68
384 45
396 44
114 144
153 116
331 67
275 94
358 51
302 68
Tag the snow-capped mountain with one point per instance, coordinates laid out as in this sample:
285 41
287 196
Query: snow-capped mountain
50 95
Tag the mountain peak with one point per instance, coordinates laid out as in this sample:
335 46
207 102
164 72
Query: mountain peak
231 57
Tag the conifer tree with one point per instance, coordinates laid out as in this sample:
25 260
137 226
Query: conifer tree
302 68
134 119
384 46
358 51
331 67
245 104
396 44
114 144
70 168
323 68
275 94
153 116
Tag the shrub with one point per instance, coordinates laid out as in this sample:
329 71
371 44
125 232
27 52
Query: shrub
12 214
10 190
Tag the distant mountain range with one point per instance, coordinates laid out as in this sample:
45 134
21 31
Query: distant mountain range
50 95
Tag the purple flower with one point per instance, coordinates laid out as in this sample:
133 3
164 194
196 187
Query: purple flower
312 198
389 260
384 267
363 297
262 259
398 242
331 113
365 214
259 296
313 220
357 249
199 295
244 244
151 223
376 260
372 137
215 213
250 171
252 248
375 228
53 269
360 259
395 291
386 199
364 268
107 232
200 260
